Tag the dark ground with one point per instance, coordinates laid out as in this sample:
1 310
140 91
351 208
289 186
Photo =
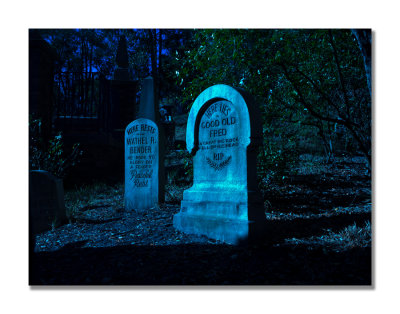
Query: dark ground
319 233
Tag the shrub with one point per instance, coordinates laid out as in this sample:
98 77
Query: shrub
187 159
174 193
276 161
50 156
355 236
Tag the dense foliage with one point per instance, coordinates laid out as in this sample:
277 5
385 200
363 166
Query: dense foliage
51 155
313 86
152 52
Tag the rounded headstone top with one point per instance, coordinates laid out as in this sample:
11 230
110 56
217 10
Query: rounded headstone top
43 173
141 121
243 102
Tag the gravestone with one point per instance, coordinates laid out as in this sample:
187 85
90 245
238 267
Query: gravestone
148 106
123 91
223 133
46 201
141 164
148 109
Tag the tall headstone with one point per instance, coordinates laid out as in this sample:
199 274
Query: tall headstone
141 165
123 90
122 70
148 109
223 133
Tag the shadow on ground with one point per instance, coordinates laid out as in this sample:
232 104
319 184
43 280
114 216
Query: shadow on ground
212 264
193 264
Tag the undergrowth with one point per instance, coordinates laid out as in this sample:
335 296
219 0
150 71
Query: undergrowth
86 196
352 236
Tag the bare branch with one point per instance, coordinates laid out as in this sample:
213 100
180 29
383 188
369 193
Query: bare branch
337 62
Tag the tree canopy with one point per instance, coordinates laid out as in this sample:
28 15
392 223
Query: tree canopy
305 81
311 85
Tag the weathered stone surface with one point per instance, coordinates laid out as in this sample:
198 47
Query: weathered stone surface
223 133
46 201
148 109
141 165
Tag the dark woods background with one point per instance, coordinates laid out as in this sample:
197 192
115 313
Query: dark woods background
313 87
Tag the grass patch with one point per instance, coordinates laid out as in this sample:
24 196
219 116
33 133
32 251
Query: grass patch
95 195
352 236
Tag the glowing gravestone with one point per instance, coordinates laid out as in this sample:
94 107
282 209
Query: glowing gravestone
141 165
223 133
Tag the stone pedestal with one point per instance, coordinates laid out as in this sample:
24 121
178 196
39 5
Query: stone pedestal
223 133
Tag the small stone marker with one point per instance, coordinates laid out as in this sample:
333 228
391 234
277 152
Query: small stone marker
223 133
141 165
46 201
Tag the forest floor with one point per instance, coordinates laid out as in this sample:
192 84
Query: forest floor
319 233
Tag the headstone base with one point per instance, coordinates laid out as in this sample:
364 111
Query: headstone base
231 231
218 215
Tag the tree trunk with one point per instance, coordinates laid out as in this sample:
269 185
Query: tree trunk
153 52
159 63
364 40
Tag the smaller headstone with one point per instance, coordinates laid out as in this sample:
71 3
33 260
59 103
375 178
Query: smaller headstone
141 165
46 201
